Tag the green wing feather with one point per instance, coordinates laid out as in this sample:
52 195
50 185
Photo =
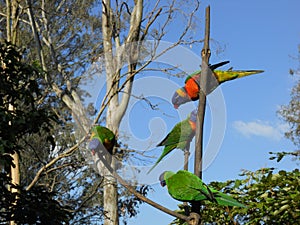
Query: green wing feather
180 133
179 137
224 199
105 136
185 186
212 67
196 73
103 133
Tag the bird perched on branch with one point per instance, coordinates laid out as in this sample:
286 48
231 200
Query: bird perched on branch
101 138
187 187
190 91
179 137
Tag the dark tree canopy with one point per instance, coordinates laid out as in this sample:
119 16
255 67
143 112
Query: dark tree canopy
23 115
21 93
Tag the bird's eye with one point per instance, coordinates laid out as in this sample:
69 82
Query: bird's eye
163 183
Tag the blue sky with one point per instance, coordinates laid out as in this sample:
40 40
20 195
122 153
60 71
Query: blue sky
241 124
256 35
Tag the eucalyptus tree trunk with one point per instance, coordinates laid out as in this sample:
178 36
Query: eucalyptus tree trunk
12 22
117 106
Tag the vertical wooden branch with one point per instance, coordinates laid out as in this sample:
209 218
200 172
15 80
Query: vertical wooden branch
8 18
186 167
186 157
205 54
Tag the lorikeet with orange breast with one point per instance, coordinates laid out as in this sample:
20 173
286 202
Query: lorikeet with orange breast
179 137
190 92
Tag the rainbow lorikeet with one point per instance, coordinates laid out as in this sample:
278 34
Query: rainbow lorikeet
190 92
187 187
179 137
102 137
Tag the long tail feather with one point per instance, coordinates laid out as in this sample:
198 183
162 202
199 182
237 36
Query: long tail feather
223 76
217 65
224 199
166 151
159 159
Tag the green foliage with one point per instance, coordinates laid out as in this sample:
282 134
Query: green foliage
278 156
38 206
6 198
33 132
24 116
271 196
74 28
19 93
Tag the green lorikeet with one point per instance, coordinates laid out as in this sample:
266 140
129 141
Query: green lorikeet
179 137
190 92
187 187
102 136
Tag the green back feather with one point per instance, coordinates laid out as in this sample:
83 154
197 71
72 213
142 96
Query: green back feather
185 186
179 137
105 136
180 133
102 133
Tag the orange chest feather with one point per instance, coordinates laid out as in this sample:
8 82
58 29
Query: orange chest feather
193 125
192 88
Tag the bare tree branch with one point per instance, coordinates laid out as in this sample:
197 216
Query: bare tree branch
53 161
